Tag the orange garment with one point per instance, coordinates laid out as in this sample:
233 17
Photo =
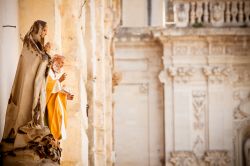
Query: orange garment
56 107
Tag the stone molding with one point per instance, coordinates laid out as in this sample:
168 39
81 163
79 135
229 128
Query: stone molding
215 74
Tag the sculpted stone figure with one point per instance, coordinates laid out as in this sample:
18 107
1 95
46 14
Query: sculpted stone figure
27 100
57 97
25 124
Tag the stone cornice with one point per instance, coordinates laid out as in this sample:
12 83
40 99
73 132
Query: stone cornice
152 33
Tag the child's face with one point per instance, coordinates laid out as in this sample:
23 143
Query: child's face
57 65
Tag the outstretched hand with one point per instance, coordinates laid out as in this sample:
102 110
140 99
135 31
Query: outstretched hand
63 77
70 96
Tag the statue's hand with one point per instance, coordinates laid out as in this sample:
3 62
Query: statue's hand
47 47
63 77
70 96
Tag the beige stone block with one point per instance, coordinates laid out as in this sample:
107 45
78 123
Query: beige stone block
75 147
134 13
182 115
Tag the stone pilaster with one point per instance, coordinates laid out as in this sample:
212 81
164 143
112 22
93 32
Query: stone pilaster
75 147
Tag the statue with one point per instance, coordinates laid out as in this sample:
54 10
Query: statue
57 97
247 151
25 124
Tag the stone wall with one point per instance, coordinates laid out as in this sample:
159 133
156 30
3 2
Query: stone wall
9 52
206 87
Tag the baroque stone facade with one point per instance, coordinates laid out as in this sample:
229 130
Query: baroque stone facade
175 95
205 78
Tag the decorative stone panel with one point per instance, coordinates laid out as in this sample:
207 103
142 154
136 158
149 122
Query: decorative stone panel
183 158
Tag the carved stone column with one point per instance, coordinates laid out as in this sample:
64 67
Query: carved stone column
101 20
96 81
75 147
111 21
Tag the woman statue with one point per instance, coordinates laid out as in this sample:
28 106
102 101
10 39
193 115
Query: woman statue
24 120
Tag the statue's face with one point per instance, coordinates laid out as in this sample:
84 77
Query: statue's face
57 65
44 32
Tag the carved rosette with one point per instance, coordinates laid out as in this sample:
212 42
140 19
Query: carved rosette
181 74
217 158
217 74
183 158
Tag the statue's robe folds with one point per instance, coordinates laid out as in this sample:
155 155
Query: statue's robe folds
56 107
24 120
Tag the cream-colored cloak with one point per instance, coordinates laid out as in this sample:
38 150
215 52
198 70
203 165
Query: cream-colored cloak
26 107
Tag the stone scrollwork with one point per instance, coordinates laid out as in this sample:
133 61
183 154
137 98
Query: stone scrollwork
181 14
181 74
199 103
199 108
217 74
242 111
216 157
183 158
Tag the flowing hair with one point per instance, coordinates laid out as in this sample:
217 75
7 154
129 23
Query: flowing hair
34 30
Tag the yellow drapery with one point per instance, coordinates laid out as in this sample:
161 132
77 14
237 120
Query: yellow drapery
56 107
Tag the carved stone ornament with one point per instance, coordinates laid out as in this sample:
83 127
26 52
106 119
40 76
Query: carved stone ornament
217 13
143 88
163 76
198 146
116 78
242 76
242 111
199 108
183 158
181 14
217 158
181 74
217 74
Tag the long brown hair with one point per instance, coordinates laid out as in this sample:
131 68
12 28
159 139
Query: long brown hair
34 30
